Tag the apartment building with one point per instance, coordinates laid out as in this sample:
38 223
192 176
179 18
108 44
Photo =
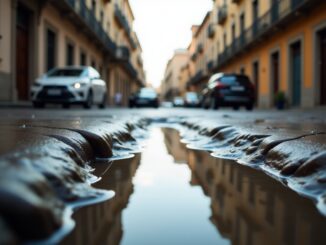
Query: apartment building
202 53
170 84
36 36
279 44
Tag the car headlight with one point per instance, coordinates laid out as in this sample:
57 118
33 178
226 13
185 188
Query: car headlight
78 85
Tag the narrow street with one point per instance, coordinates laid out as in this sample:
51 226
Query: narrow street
141 122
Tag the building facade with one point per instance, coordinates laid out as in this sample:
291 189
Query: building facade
38 35
279 44
171 86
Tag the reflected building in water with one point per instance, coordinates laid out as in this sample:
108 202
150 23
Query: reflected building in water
102 223
249 207
174 146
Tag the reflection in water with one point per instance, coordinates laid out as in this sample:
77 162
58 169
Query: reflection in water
101 223
208 201
249 207
164 208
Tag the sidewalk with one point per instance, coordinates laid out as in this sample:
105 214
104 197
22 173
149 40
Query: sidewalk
16 104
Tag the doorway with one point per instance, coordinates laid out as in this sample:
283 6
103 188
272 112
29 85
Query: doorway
296 78
255 76
322 66
23 33
275 73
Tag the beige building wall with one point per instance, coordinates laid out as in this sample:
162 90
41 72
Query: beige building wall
123 74
170 86
247 47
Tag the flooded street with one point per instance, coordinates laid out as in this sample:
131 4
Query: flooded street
172 195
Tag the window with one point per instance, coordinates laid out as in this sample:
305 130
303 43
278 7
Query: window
83 59
70 52
70 72
93 64
50 49
94 6
102 17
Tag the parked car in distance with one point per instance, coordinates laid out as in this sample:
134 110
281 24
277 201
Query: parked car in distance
178 102
229 90
70 85
191 99
145 97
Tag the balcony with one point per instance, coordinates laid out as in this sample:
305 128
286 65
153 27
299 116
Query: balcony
222 14
200 48
133 43
122 53
194 57
210 31
121 19
281 13
196 79
210 65
86 21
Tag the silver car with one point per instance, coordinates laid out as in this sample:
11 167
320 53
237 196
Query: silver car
70 85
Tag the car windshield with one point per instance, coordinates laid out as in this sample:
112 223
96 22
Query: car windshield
65 73
235 79
147 93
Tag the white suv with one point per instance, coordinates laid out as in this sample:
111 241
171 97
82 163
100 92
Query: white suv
70 85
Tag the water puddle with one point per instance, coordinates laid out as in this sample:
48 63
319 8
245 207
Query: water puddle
173 195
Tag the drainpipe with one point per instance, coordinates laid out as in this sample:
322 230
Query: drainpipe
13 94
0 32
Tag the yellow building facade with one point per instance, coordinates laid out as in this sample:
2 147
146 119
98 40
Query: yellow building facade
171 86
36 36
279 44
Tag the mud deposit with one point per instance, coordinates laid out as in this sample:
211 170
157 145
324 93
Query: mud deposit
45 172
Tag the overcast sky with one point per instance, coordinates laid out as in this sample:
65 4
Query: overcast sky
163 26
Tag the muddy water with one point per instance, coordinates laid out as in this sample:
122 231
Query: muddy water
171 195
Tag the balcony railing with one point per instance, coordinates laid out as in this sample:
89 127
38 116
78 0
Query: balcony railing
210 65
196 79
279 14
122 53
121 18
210 31
200 48
222 14
87 17
194 56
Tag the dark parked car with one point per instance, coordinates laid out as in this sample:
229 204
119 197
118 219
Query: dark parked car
145 97
229 90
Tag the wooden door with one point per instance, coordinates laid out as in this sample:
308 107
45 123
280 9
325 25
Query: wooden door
322 67
22 53
296 73
275 72
256 80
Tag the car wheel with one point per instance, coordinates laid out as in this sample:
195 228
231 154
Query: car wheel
38 104
66 105
103 103
204 104
249 107
214 103
89 101
236 107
